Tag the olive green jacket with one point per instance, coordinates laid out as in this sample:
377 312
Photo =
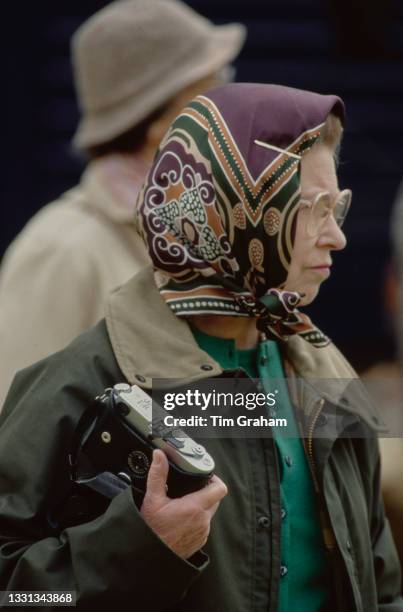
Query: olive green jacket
116 559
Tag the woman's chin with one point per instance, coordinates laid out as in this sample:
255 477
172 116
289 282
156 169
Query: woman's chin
309 293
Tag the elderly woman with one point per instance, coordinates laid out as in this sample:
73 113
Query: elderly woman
241 212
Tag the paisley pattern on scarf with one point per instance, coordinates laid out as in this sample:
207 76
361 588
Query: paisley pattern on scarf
217 211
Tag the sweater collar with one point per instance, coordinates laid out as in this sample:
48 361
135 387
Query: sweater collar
112 184
225 352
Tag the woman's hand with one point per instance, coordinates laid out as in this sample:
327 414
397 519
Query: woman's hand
182 523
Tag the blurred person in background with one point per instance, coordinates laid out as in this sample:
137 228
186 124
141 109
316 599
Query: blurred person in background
385 380
136 64
391 374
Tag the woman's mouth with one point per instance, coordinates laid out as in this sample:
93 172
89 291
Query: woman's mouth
322 270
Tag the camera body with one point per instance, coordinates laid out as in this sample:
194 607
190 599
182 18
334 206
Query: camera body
114 448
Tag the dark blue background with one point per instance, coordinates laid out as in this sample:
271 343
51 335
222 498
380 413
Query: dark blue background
352 49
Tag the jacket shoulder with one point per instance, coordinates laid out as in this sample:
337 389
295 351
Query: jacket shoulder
67 380
312 362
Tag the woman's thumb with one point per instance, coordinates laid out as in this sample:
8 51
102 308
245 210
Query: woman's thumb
158 474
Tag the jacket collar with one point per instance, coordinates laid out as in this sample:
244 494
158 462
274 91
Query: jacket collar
150 342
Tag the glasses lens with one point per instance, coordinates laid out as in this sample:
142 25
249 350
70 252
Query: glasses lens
319 213
342 207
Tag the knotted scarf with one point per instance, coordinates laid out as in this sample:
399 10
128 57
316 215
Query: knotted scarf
217 211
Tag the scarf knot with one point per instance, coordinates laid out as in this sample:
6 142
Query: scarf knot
278 316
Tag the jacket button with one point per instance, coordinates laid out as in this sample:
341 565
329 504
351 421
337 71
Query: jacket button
140 378
264 522
283 513
263 360
322 420
288 460
283 570
206 366
348 545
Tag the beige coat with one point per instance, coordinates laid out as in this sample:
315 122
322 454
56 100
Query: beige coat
57 273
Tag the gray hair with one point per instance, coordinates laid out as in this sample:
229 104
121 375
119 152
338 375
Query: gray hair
331 136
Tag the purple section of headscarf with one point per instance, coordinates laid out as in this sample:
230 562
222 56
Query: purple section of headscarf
272 113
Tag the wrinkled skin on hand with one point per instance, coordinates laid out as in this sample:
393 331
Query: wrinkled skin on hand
182 523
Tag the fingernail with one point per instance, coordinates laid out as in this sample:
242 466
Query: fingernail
156 458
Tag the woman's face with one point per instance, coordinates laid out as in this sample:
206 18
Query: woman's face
312 256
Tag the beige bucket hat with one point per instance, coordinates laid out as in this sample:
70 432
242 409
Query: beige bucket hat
134 55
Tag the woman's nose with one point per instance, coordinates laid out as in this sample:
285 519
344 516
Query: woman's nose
332 235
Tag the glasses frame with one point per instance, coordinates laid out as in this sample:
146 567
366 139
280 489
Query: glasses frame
319 224
312 203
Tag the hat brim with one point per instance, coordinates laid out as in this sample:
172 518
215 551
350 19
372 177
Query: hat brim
96 129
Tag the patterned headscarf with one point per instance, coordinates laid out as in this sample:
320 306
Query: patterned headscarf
217 210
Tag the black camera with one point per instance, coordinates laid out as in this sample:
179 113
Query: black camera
114 443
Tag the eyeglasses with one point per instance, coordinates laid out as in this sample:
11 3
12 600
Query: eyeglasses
323 205
320 209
